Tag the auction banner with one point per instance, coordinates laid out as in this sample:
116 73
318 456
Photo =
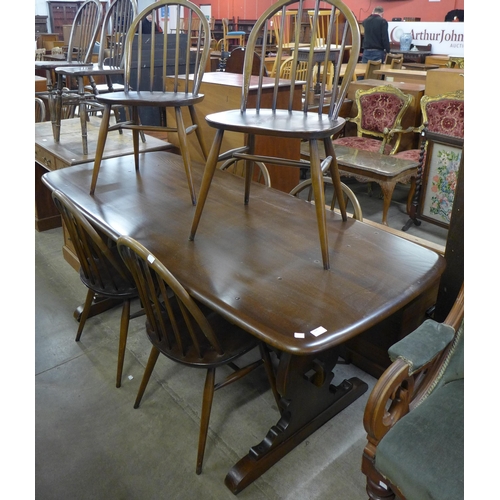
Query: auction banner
446 38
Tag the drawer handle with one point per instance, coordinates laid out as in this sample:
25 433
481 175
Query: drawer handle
47 162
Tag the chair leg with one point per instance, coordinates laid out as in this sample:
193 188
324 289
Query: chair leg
335 175
184 147
101 142
319 198
135 135
264 352
153 357
198 132
249 166
55 108
85 314
123 341
83 114
208 174
208 396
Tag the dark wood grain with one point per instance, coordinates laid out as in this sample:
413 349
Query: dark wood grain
260 266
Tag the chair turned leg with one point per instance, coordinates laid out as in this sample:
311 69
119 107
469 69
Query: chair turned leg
319 197
101 142
184 147
85 314
198 131
153 356
208 396
335 175
83 115
377 492
208 174
123 341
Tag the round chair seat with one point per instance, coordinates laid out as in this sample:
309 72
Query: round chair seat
147 98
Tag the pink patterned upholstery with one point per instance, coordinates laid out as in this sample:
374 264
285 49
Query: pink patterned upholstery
364 143
443 116
446 117
380 109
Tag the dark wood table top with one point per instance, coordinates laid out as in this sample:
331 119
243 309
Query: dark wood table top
259 265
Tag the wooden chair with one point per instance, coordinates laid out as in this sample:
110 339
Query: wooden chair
101 270
116 23
380 112
391 57
397 63
414 417
304 191
311 126
323 25
442 114
173 55
227 36
39 110
188 332
237 167
371 67
83 36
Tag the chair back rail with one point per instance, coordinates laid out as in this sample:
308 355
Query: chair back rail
115 26
348 35
175 49
84 31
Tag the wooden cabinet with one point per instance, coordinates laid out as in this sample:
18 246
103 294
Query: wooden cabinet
51 155
62 14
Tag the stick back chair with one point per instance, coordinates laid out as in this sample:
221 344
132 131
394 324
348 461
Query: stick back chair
305 124
160 54
83 36
101 270
115 25
188 332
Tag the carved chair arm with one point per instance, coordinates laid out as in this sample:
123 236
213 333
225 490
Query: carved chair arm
398 388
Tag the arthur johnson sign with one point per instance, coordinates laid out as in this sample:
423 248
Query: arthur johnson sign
446 38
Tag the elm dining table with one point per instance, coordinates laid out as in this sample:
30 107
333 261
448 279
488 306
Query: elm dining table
260 267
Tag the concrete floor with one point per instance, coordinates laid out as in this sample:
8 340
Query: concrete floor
92 444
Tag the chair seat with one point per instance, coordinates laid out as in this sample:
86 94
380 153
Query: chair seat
277 123
147 98
431 463
410 154
48 65
236 33
83 70
364 143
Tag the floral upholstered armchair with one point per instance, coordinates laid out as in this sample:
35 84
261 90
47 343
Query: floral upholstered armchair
380 112
414 417
442 114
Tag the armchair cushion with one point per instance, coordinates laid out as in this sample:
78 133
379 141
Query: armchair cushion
430 465
423 344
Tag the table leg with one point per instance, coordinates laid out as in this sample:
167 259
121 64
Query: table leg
387 190
308 400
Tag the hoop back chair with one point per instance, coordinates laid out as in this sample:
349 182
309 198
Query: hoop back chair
414 417
380 111
187 332
175 56
304 124
101 270
115 26
83 36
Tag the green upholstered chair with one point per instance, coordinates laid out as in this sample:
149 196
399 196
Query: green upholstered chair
414 417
